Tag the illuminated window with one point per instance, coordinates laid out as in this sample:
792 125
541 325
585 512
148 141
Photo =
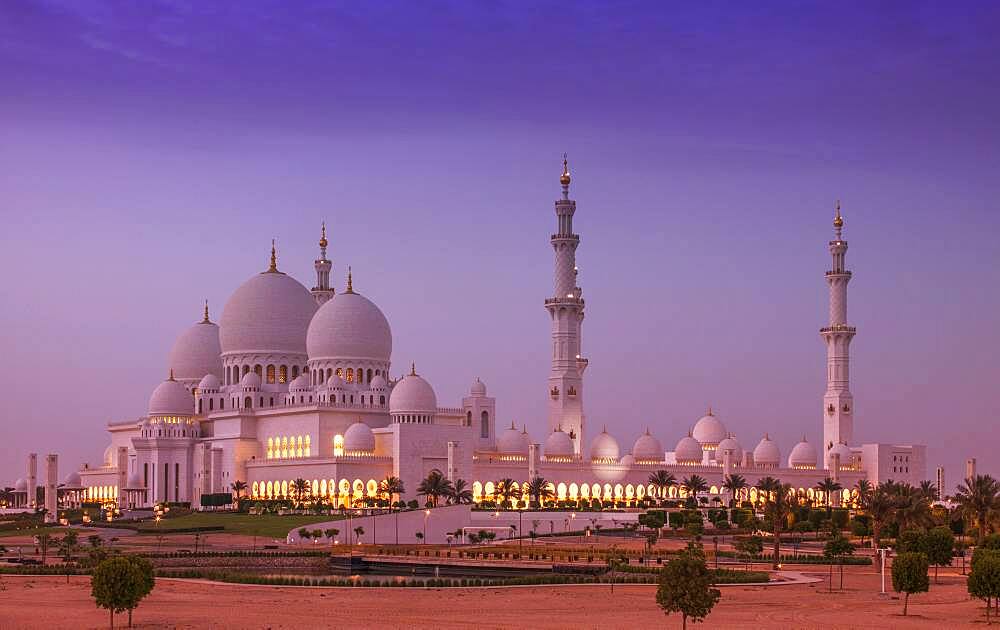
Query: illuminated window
338 445
308 447
350 375
340 372
258 370
369 379
283 374
270 374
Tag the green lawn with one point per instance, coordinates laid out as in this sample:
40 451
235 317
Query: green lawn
267 525
34 531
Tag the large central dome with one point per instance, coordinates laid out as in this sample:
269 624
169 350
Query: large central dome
349 326
269 313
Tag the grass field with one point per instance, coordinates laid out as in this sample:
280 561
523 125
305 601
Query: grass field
32 531
267 525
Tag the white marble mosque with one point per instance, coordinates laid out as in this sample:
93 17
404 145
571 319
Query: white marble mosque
295 383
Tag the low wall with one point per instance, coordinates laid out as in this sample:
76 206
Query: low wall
317 564
549 522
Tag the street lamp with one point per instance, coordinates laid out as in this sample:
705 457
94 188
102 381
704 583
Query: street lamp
427 513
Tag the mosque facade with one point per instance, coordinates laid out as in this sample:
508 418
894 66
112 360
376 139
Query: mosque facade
293 383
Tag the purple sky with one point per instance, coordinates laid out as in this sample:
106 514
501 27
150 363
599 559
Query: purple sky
150 151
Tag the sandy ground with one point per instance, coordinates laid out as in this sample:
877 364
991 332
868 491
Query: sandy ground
48 602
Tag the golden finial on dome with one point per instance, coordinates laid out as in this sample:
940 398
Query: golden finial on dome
274 259
350 281
710 411
322 239
564 178
838 221
171 377
206 320
413 369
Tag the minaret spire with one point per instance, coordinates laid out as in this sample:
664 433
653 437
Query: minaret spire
838 402
566 312
350 281
322 292
205 320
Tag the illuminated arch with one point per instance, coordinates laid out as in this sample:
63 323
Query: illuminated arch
372 487
477 491
629 491
284 488
338 445
619 490
585 491
561 491
713 490
489 490
574 491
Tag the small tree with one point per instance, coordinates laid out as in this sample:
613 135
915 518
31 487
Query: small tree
984 581
686 586
304 534
909 575
117 585
835 549
143 569
331 533
45 541
939 544
750 548
358 533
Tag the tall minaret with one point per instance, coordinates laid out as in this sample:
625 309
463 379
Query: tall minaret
566 311
322 291
838 404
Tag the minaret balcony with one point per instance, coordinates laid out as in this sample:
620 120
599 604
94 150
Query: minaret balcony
558 301
843 272
566 237
842 328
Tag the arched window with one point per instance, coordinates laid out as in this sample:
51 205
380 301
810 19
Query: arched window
283 374
468 419
246 369
484 428
295 372
271 402
338 445
350 375
361 376
259 370
381 400
222 403
199 405
261 402
270 374
211 404
340 372
247 402
369 379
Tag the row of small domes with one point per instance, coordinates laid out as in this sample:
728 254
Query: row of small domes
709 432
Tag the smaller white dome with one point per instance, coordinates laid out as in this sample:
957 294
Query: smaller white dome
627 460
378 382
688 451
844 451
109 456
20 486
604 448
72 480
300 383
709 430
647 448
171 398
359 439
766 452
729 444
335 382
559 444
412 395
513 442
209 382
250 380
134 481
803 455
478 388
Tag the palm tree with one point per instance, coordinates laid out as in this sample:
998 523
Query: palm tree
929 489
979 502
391 486
301 487
239 487
435 486
828 487
913 508
694 484
507 489
734 484
662 480
460 492
768 485
864 490
881 508
539 490
777 508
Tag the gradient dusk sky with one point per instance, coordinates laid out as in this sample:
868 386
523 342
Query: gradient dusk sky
150 151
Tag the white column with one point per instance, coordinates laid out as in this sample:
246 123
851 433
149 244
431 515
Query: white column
32 479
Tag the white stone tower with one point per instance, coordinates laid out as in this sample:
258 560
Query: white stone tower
32 480
838 403
322 291
51 487
566 311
